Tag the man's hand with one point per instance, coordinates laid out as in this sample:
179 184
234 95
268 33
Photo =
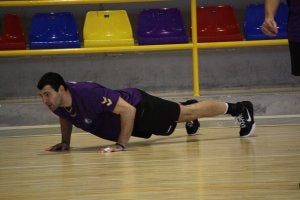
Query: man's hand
59 147
269 27
111 148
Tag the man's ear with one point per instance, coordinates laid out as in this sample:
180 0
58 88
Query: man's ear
61 89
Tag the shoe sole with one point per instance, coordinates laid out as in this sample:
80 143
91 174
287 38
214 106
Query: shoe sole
251 132
197 133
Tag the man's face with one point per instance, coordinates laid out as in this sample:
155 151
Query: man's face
50 97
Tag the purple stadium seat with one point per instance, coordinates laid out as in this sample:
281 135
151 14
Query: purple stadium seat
161 26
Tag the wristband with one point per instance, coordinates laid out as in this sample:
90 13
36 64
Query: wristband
121 145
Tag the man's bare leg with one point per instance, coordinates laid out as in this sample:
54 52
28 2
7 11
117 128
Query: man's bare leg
201 109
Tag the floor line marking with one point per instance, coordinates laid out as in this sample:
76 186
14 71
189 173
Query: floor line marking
202 119
137 161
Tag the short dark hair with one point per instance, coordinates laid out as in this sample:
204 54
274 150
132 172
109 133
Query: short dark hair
53 79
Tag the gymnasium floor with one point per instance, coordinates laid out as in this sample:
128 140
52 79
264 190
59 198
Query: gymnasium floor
216 164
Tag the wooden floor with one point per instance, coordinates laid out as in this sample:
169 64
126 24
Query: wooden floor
216 164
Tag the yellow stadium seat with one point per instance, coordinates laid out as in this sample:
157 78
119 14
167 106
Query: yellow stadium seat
107 28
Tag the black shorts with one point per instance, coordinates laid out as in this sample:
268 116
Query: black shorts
155 116
295 57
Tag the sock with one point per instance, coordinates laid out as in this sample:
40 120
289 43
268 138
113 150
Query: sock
226 104
234 109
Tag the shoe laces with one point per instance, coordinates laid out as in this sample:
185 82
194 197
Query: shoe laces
240 119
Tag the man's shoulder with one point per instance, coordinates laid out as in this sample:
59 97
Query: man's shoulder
84 86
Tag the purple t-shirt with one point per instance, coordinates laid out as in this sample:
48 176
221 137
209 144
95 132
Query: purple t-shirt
92 106
294 20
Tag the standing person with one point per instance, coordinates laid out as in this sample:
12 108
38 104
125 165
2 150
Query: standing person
116 115
269 27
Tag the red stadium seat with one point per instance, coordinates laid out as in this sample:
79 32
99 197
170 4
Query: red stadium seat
11 33
217 24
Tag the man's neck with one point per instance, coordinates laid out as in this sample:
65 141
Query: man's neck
67 99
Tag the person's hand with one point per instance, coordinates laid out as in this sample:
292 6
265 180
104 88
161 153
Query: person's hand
59 147
111 148
269 27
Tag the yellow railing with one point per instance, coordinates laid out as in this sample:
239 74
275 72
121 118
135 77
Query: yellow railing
196 81
65 2
34 52
164 47
208 45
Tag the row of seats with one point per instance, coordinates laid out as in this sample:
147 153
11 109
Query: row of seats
155 26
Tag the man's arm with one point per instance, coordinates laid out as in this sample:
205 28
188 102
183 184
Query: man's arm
269 27
127 116
66 131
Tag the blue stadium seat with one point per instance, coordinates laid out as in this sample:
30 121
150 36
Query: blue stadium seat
54 30
254 17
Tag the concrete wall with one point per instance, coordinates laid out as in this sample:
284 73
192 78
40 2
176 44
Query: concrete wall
155 71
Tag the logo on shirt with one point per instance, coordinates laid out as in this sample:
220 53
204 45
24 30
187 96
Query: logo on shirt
106 101
88 121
